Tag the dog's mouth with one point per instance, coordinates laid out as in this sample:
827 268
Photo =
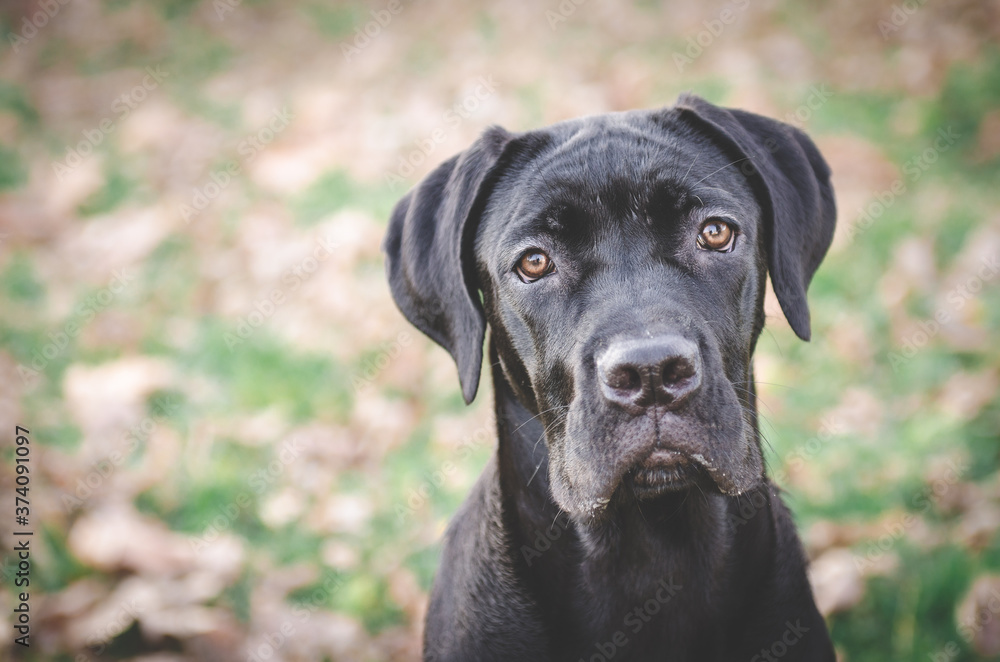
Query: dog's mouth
664 471
601 461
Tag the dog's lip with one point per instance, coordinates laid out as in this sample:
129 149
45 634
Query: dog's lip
662 458
663 471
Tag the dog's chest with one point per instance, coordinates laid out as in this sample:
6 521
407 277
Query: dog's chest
650 600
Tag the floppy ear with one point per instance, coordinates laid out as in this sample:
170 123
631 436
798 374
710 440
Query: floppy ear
793 181
428 254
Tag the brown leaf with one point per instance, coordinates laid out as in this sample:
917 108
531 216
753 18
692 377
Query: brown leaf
978 614
836 581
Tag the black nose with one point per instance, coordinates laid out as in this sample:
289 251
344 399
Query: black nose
638 373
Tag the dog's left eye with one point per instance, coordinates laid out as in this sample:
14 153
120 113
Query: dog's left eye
533 265
716 235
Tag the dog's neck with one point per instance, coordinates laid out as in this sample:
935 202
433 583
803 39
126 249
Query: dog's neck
679 540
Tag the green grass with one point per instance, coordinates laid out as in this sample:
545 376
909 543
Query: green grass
908 615
970 92
118 187
335 191
335 22
13 172
14 100
20 282
262 372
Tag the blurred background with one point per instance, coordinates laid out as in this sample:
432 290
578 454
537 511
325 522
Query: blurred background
240 450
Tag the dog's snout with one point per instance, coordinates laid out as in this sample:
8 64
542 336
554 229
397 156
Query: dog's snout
638 373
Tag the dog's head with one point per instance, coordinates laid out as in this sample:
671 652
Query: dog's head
620 263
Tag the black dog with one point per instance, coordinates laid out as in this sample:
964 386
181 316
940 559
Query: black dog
621 263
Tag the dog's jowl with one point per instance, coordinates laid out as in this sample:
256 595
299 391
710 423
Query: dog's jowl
619 262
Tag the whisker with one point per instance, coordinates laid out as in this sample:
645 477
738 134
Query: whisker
766 441
684 178
757 401
745 158
700 490
535 472
556 420
712 188
638 504
686 495
538 441
774 340
537 415
558 513
766 421
757 381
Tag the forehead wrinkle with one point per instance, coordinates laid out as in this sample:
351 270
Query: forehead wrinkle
604 186
718 197
606 136
619 167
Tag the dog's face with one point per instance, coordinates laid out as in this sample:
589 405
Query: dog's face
621 261
622 276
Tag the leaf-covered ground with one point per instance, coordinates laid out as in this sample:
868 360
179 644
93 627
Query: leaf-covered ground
240 449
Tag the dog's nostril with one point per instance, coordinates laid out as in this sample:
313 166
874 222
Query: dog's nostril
638 373
624 378
675 371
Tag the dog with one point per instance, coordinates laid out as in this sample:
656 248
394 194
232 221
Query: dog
619 262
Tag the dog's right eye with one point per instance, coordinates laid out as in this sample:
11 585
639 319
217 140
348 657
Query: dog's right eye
716 235
533 265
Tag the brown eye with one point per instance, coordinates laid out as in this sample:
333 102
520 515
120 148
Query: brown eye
716 235
533 265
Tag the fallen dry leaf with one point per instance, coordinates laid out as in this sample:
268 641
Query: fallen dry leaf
836 581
